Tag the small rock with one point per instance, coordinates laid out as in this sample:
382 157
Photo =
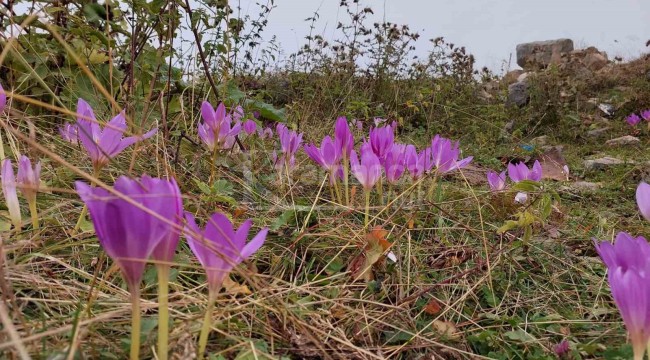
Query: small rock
540 140
540 54
595 61
523 77
518 94
623 140
597 132
608 109
585 186
512 76
602 163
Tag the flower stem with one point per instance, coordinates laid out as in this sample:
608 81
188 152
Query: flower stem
345 180
163 311
135 323
34 212
213 166
338 191
205 329
367 207
380 191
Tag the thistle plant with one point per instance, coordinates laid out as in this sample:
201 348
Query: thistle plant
219 248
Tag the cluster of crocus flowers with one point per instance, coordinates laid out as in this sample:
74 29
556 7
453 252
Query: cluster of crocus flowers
219 248
103 144
517 173
28 181
633 119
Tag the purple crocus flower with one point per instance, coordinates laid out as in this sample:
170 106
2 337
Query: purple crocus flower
250 127
395 163
444 154
256 114
103 145
9 191
69 133
633 119
211 116
643 199
29 178
520 172
368 170
220 135
343 137
219 247
415 163
328 156
381 140
628 262
289 140
561 349
129 233
645 114
496 181
171 194
3 99
264 133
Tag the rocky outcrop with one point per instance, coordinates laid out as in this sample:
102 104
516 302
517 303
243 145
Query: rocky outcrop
541 54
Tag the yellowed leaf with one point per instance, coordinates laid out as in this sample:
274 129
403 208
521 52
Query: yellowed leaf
234 288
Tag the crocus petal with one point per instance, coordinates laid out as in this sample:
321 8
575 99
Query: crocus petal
9 191
3 99
536 173
250 127
255 244
631 293
643 199
208 115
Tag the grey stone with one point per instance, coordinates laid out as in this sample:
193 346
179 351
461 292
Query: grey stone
585 186
595 61
597 132
623 140
602 163
540 54
540 140
518 94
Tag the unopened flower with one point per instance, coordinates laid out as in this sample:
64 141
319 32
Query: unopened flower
343 137
496 181
395 163
368 169
250 126
3 99
643 199
9 191
561 349
103 144
645 114
29 178
69 133
520 172
416 162
129 233
381 140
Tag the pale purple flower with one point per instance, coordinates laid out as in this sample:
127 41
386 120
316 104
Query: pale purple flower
561 349
219 248
643 199
290 140
213 118
328 156
395 163
216 131
368 170
444 154
29 178
496 181
381 140
416 163
9 191
237 113
265 133
343 137
633 119
521 198
645 114
130 230
69 133
628 263
520 172
171 195
250 126
3 99
103 145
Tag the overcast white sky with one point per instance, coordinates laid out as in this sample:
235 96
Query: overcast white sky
490 29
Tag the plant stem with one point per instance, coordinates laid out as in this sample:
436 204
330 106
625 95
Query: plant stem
34 212
205 329
213 166
367 207
163 311
380 191
338 191
135 323
345 180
